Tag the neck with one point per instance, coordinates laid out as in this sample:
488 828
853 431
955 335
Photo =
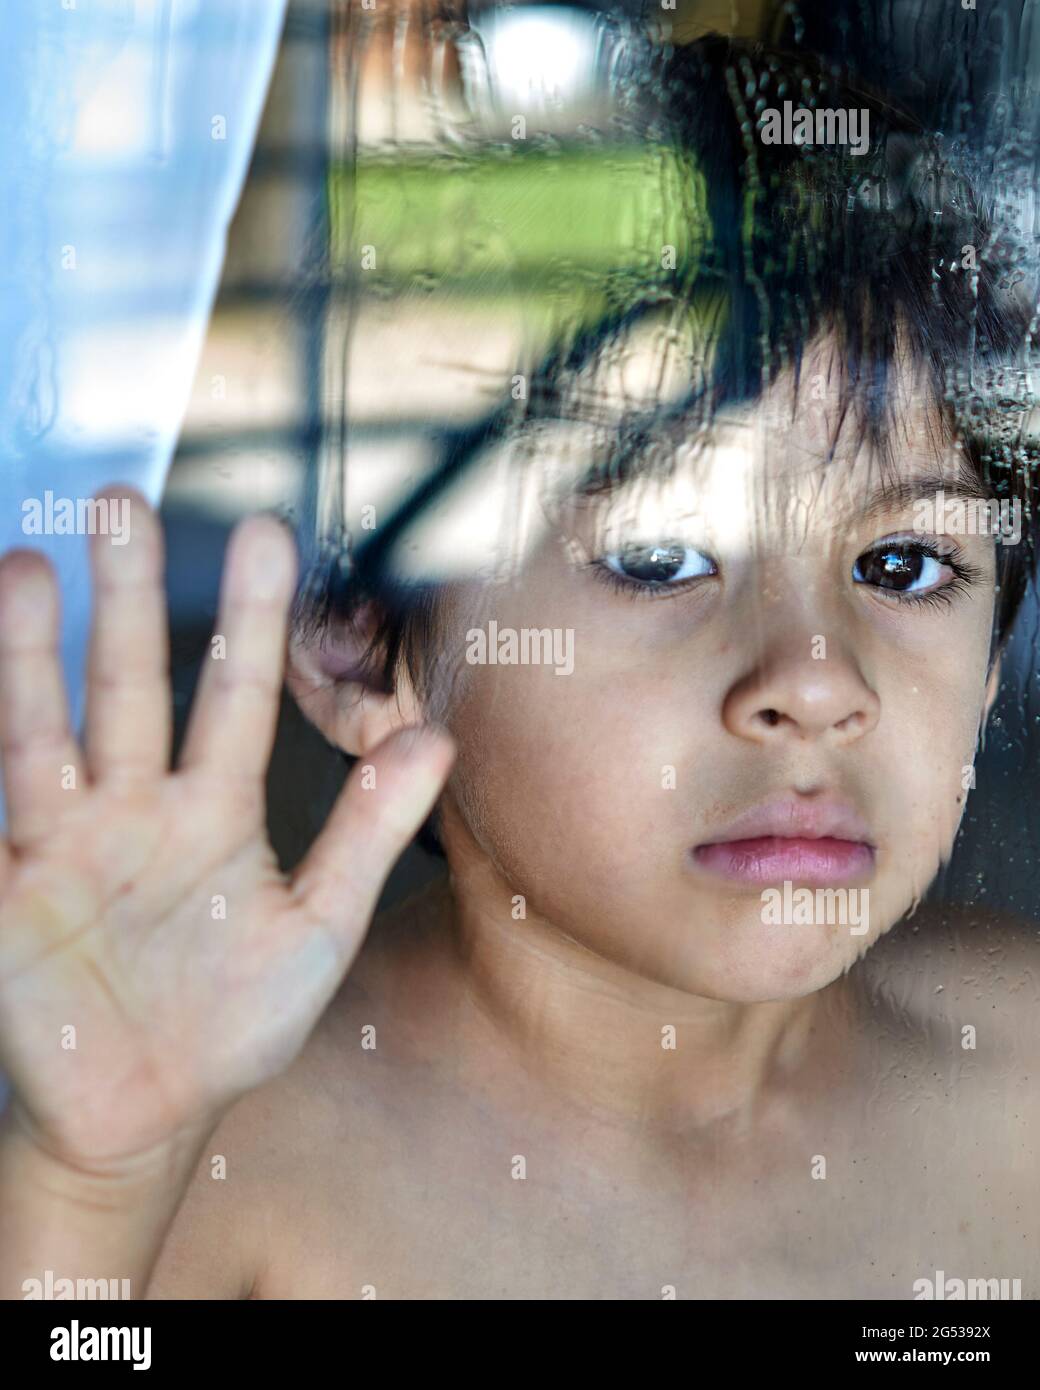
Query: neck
605 1039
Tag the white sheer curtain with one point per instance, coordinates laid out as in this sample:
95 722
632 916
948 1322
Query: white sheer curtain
126 128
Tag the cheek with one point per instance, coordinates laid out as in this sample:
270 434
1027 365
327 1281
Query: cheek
562 775
928 751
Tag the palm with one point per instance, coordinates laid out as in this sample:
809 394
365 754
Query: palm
154 961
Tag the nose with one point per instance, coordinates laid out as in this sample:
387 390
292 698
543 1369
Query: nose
794 694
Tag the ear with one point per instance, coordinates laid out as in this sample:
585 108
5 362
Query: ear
346 701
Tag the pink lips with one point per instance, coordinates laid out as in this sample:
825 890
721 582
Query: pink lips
811 842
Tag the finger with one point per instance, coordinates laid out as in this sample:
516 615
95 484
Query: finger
42 763
233 718
385 801
129 704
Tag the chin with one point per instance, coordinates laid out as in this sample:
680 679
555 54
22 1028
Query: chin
777 969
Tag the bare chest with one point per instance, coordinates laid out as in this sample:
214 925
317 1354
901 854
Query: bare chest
451 1207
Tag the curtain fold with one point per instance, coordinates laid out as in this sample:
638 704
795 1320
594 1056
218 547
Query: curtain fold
127 128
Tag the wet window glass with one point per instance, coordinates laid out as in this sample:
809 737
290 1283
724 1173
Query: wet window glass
517 651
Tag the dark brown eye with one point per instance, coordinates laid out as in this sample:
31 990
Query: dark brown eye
659 564
905 567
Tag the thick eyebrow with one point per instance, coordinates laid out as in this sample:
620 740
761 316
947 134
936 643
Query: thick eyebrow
610 475
623 465
895 495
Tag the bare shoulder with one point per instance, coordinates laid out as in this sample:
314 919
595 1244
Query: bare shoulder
952 996
952 960
955 992
286 1161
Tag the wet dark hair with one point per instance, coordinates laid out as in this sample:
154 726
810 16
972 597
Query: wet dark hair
896 252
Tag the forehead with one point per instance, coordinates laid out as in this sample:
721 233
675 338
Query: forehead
748 487
658 374
629 424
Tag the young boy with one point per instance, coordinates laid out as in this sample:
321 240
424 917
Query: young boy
644 1040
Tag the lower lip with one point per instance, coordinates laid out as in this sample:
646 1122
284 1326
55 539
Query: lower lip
771 859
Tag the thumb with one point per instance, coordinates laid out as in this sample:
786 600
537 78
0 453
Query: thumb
385 800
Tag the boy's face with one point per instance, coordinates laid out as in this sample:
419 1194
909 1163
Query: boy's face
765 670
